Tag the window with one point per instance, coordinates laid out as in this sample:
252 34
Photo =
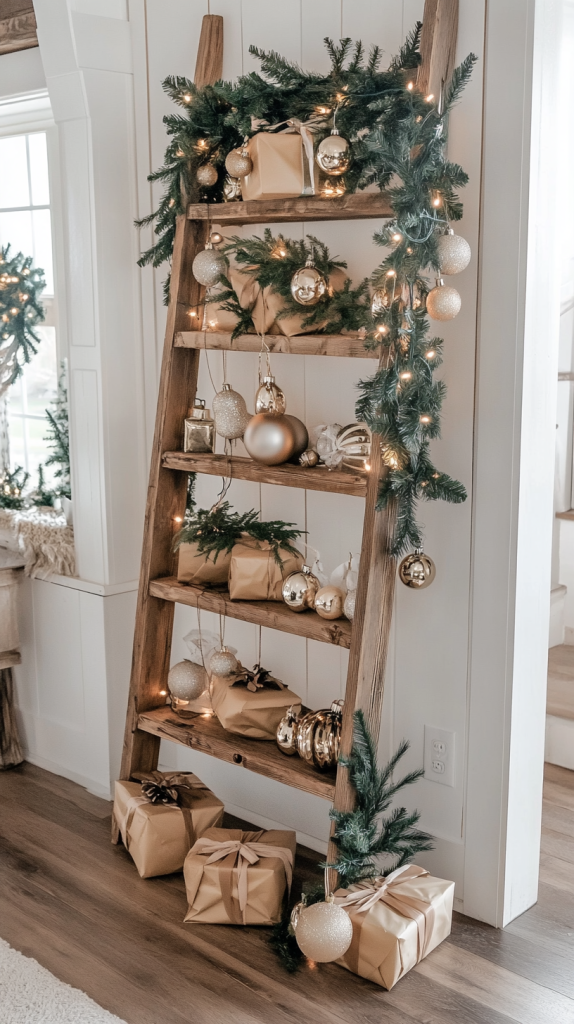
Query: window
25 224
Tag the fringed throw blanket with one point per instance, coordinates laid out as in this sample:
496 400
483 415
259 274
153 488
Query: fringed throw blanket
44 539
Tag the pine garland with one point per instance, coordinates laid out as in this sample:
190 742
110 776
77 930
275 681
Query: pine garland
20 312
217 529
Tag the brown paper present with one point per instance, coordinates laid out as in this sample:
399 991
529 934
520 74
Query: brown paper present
158 836
397 921
235 877
278 171
205 570
255 575
250 295
250 712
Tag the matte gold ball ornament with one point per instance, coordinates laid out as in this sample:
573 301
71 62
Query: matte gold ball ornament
300 436
323 931
417 570
238 163
308 285
453 253
299 589
269 438
334 154
329 602
443 302
206 175
230 413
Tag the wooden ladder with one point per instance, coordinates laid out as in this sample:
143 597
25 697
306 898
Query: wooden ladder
148 718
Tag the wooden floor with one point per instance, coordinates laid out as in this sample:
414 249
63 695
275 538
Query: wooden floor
76 904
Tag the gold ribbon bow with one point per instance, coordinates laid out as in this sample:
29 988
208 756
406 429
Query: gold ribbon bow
305 130
258 679
363 896
237 855
182 790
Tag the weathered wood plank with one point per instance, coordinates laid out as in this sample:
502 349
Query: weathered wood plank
262 756
357 206
238 468
300 345
438 46
10 658
18 30
209 61
273 614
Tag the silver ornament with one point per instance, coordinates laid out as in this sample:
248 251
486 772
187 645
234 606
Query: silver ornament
349 605
230 413
327 441
308 286
223 663
453 253
231 189
329 602
354 444
269 397
238 163
334 154
269 439
208 266
417 570
300 435
187 681
443 302
299 589
308 459
323 931
206 175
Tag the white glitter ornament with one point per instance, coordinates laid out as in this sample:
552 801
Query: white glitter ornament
334 154
349 605
453 253
230 413
223 663
187 681
308 286
443 302
208 266
323 931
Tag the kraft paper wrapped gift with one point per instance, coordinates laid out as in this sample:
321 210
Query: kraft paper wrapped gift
278 169
248 709
397 921
207 570
158 836
235 877
255 575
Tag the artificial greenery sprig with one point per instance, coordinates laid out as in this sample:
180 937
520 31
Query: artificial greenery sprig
58 437
20 312
217 529
12 485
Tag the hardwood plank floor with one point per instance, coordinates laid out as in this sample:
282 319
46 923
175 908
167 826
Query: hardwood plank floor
75 903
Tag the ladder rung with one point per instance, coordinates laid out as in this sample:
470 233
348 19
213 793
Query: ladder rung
345 345
238 468
356 206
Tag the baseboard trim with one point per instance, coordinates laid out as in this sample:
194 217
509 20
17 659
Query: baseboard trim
57 769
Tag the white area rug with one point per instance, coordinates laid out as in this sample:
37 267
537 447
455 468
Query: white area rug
29 994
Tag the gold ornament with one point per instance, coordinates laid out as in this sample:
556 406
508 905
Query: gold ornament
223 663
443 302
287 732
379 302
334 154
300 435
453 253
230 413
231 189
308 459
299 589
323 931
417 570
269 438
329 602
186 681
315 736
269 397
206 175
308 286
354 443
238 163
209 265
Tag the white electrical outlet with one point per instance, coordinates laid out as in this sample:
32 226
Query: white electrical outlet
439 755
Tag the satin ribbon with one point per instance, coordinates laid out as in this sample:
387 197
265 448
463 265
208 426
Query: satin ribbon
305 130
365 895
237 855
190 792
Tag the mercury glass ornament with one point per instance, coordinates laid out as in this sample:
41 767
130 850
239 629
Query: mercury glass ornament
326 440
208 266
299 589
269 438
223 663
453 253
308 459
206 175
417 570
187 681
329 602
238 163
300 435
354 442
230 413
443 302
231 189
334 154
269 397
308 285
198 429
349 605
323 931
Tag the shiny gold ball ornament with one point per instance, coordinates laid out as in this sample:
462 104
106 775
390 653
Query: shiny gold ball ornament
308 459
308 285
286 735
223 663
334 154
231 189
186 681
269 397
300 436
206 175
453 253
329 602
417 570
238 163
230 413
443 301
315 736
269 438
323 931
209 265
299 589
